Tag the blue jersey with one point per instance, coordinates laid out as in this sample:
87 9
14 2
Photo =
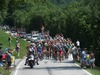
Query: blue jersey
39 48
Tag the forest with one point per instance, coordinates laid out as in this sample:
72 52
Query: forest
75 19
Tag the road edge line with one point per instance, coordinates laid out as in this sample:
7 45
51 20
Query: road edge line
16 69
84 70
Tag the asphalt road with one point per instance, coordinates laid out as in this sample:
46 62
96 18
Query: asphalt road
50 67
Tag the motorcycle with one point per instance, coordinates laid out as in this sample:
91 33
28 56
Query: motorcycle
31 61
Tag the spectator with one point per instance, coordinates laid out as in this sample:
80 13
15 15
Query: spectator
74 53
8 60
87 59
9 40
92 60
83 58
18 48
1 52
1 62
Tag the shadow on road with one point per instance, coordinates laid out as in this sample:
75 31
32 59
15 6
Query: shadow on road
50 69
55 68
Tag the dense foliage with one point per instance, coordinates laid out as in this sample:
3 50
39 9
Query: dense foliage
77 19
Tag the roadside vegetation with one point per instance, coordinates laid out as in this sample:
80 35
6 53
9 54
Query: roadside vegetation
5 44
95 71
75 19
4 41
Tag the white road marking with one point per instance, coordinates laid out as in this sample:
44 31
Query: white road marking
17 68
16 71
84 70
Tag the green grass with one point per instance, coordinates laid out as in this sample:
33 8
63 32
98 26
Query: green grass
5 44
4 72
95 71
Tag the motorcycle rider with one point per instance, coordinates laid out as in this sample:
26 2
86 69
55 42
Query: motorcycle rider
29 52
32 50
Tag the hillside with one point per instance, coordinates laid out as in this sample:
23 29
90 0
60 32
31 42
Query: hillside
4 42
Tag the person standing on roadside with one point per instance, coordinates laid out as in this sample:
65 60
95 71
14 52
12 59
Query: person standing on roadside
83 57
1 62
1 52
92 60
8 59
9 39
74 53
18 48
